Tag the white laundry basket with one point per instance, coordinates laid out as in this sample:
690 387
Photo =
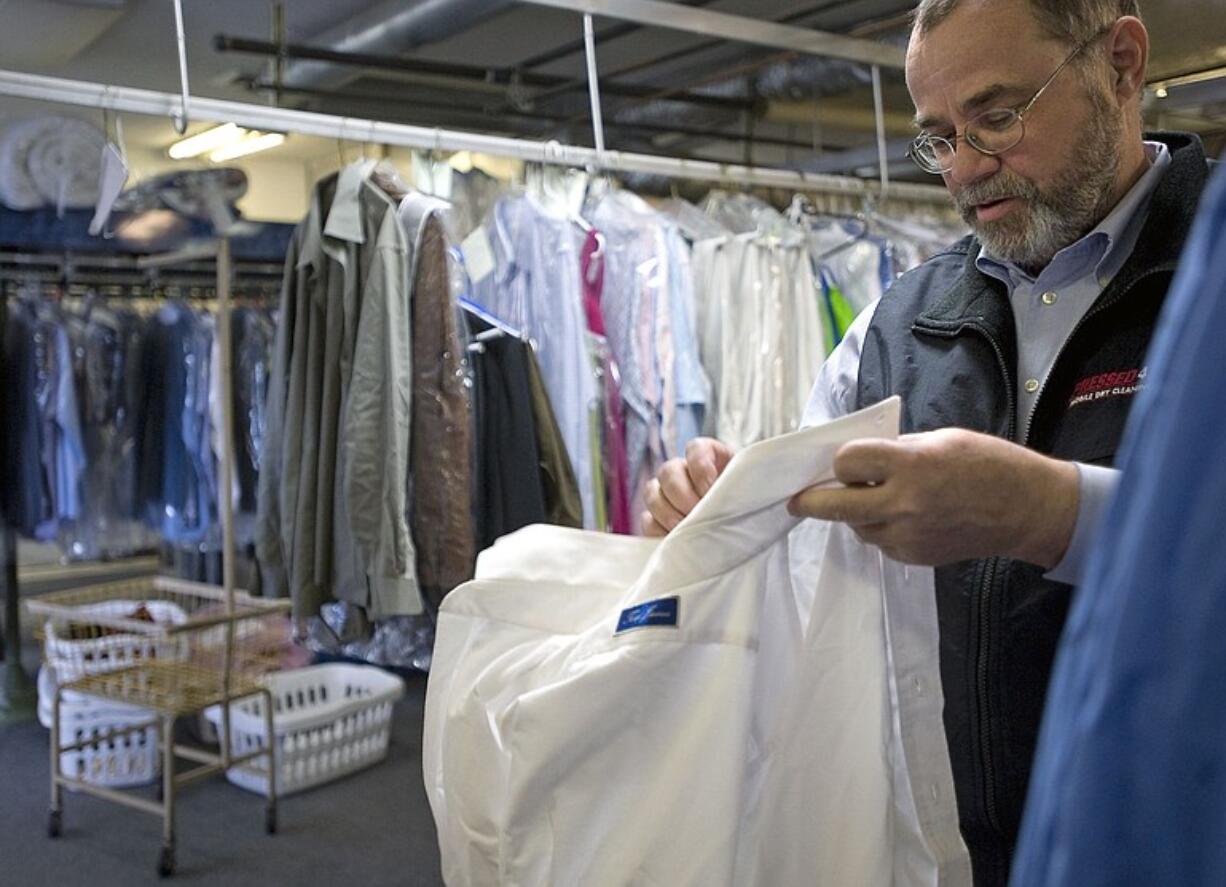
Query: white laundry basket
73 659
329 720
116 762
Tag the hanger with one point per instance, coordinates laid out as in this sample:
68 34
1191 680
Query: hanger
498 328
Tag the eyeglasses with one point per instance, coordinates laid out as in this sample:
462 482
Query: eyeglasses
993 132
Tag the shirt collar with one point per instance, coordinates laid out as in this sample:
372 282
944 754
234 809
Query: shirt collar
1104 250
345 216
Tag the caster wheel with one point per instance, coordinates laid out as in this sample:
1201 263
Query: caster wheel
270 820
166 862
54 824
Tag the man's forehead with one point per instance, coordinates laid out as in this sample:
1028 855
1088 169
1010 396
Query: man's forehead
973 59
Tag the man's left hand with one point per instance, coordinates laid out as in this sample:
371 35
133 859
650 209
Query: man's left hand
950 495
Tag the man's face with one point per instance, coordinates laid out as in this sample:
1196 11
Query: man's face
1042 195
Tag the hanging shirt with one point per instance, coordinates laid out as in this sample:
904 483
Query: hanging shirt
761 332
535 287
29 485
648 307
858 262
617 468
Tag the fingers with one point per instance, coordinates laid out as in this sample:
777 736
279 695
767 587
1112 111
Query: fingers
678 486
867 461
856 506
664 514
705 461
651 527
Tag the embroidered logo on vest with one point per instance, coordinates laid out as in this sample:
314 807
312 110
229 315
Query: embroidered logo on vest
1103 386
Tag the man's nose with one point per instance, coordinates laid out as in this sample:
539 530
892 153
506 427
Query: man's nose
971 166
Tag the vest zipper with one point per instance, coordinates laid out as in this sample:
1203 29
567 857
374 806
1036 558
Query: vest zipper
983 599
983 727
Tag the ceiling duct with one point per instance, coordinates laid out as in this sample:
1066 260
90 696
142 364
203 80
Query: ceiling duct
390 27
51 34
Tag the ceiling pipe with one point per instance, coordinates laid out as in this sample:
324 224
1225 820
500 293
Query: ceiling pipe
390 27
479 77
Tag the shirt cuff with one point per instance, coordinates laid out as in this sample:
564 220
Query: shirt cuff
1096 484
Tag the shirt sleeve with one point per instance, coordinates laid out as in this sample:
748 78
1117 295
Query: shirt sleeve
1096 485
834 392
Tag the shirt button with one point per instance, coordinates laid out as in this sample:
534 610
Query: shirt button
1032 385
1049 298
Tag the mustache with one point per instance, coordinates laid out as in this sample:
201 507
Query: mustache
996 188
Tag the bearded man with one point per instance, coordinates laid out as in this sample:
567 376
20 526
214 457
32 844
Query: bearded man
1017 354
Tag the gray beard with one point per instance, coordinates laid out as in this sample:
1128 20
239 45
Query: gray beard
1057 216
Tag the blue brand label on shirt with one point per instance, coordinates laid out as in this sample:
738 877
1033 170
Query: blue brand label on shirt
653 614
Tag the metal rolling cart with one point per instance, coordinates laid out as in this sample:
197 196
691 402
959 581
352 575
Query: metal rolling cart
169 647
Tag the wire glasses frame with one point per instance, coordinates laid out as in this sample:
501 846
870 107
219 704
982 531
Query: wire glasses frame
993 132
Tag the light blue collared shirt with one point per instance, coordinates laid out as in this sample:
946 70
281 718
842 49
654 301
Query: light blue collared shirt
1047 309
535 286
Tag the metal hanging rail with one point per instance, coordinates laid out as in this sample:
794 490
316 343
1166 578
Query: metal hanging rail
261 117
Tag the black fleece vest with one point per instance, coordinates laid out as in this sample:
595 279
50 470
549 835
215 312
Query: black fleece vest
943 337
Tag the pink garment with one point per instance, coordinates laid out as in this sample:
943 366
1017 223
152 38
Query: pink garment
617 465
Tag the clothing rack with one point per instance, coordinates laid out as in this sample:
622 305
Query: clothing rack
264 118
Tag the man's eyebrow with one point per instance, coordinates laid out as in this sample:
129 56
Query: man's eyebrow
987 96
982 99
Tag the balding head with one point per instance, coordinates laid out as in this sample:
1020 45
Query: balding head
1069 21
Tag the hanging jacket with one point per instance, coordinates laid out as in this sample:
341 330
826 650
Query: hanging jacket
441 431
333 518
944 339
507 489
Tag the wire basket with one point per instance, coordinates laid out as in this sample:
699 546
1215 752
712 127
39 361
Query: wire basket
160 643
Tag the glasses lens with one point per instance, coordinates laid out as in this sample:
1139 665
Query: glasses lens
933 154
996 131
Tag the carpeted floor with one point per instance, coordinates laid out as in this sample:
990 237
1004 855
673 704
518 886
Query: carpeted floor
371 829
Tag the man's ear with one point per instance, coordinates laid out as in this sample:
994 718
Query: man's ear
1128 45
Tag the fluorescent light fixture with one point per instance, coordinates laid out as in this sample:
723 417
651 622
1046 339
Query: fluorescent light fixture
1161 87
249 144
204 142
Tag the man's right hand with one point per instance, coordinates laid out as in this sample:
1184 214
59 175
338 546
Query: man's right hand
680 483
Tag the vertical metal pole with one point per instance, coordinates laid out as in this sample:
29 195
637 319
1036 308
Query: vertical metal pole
278 37
57 792
17 699
225 496
180 119
593 86
883 163
274 775
169 784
